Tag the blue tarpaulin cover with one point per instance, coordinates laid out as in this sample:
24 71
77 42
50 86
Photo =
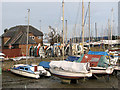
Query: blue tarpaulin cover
44 64
72 58
97 53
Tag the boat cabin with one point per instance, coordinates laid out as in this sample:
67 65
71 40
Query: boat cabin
28 68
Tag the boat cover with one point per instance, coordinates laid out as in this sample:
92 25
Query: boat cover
72 58
94 60
70 66
44 64
97 53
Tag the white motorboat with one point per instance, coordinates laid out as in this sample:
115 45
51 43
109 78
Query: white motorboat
102 70
117 68
32 71
70 70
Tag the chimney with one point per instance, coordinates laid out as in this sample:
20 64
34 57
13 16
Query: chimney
5 30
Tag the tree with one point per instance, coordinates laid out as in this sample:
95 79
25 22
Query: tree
52 36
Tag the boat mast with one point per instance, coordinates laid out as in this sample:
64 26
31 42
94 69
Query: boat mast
66 31
40 25
27 35
63 26
96 31
111 23
108 33
82 26
89 25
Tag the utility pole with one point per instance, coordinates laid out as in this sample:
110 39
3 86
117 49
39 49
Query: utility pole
63 27
27 35
82 26
89 25
109 38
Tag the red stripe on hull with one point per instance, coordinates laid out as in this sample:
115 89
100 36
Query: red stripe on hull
67 77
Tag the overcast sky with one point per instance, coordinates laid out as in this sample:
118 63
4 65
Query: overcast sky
50 13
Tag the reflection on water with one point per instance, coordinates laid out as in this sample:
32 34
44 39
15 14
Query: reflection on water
10 80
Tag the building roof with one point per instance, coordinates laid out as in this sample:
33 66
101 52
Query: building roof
18 35
22 28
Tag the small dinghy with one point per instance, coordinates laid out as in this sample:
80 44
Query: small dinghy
32 71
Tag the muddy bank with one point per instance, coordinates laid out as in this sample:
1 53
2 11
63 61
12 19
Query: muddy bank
9 63
10 80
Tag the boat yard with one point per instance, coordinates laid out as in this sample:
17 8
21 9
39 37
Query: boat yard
16 81
87 59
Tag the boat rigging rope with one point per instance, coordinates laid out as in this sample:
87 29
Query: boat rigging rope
74 29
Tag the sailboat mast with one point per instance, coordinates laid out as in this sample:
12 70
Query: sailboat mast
27 35
89 25
75 34
40 25
111 23
66 31
82 26
96 31
63 26
108 34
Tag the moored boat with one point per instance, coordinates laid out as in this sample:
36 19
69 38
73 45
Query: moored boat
102 70
99 64
70 70
32 71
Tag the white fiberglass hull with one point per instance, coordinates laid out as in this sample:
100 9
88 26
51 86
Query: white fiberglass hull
27 74
117 68
101 70
69 75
